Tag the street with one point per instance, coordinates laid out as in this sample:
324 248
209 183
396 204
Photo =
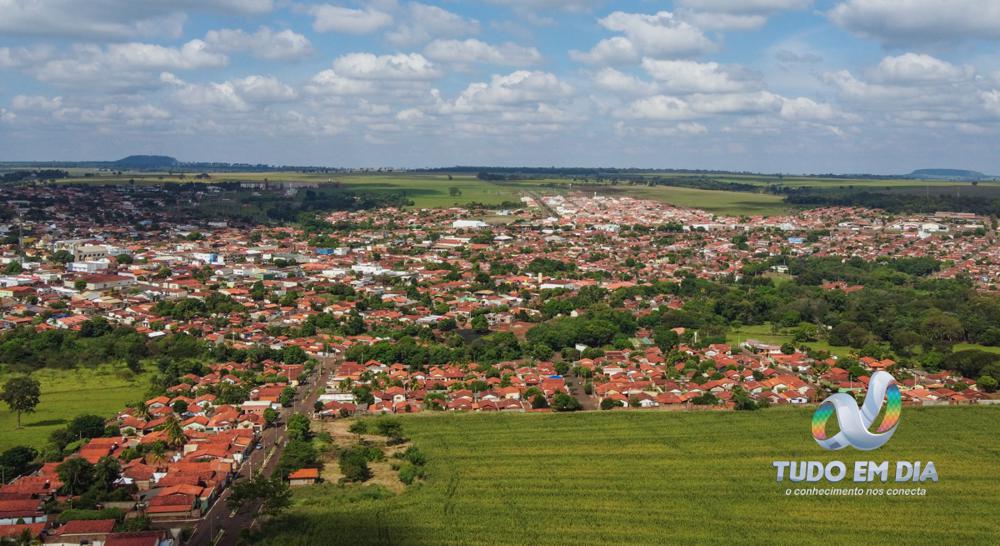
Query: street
220 526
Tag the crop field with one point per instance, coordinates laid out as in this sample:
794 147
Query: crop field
657 477
66 394
426 191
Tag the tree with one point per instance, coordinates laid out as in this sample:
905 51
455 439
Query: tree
79 285
354 465
273 494
180 407
480 325
564 402
298 427
174 432
539 402
287 396
454 191
270 416
16 461
76 474
608 403
21 394
358 428
987 383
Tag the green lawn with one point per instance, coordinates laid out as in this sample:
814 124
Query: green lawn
66 394
762 332
651 477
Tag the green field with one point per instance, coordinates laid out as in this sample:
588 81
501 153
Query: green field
649 477
763 333
66 394
426 190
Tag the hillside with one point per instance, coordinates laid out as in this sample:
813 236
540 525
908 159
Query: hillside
146 162
948 174
656 478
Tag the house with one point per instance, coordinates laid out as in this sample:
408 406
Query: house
303 476
80 532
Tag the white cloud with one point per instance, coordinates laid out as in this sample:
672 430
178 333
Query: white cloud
517 88
734 14
658 35
328 82
617 50
128 64
806 109
425 23
693 77
329 18
723 21
367 66
263 44
744 6
115 19
236 95
613 80
919 21
700 105
18 57
463 52
991 101
410 115
917 68
36 102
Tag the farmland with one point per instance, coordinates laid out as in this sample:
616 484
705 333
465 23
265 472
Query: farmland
102 391
656 478
435 190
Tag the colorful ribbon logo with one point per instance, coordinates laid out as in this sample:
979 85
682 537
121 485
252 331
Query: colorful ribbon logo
854 422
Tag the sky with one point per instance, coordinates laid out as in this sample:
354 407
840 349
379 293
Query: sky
793 86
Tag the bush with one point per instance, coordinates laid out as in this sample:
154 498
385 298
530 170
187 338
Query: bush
354 464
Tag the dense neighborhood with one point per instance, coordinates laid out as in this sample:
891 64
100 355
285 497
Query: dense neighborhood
565 302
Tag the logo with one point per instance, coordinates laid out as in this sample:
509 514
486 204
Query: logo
855 422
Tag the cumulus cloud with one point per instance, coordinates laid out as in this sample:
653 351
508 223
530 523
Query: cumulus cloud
330 18
734 14
402 66
329 82
693 77
917 67
614 80
238 94
516 88
424 23
262 44
36 102
118 19
658 35
464 52
919 21
127 63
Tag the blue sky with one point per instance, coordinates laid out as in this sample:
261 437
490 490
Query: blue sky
847 86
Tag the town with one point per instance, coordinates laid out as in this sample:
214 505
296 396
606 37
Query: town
564 302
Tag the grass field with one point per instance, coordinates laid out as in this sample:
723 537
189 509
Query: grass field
763 333
66 394
426 190
638 477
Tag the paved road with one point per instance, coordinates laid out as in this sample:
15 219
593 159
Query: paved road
221 526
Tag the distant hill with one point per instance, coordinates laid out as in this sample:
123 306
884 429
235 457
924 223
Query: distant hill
948 174
146 162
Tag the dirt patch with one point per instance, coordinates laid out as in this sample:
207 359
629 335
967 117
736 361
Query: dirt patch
382 472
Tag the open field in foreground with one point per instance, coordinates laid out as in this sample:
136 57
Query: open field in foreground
635 477
66 394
